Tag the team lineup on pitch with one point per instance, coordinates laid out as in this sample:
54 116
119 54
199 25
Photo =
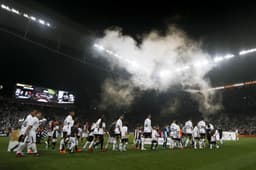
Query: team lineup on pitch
72 135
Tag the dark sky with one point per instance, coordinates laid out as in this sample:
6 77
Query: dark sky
201 19
222 27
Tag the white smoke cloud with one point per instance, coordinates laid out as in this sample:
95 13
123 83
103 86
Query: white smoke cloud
160 61
116 93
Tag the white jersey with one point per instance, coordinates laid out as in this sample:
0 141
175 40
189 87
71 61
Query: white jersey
68 123
155 134
124 132
80 131
26 123
195 132
32 132
93 127
202 127
147 126
99 130
36 124
188 127
118 127
214 136
174 130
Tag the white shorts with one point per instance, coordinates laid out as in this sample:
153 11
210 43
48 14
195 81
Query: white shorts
84 135
32 137
50 133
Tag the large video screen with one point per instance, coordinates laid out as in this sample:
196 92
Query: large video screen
41 94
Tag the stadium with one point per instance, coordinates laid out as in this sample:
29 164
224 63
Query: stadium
124 85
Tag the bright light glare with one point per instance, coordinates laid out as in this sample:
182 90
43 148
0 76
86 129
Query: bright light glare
15 11
41 21
228 56
33 18
99 47
247 51
218 59
201 63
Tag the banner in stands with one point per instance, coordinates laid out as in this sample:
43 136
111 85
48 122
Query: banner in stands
41 94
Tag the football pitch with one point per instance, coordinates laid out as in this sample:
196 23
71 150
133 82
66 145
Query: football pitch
239 155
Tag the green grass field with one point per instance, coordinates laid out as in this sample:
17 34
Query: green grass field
231 156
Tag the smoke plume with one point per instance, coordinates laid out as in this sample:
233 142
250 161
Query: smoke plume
159 62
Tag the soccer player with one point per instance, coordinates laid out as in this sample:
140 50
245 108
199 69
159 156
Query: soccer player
111 135
220 135
155 136
98 133
73 138
213 140
24 133
202 130
147 132
188 132
173 134
118 129
85 132
32 133
137 137
209 129
165 132
66 131
90 137
55 134
124 137
49 133
196 136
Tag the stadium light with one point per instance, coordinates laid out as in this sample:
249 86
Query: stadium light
228 56
218 59
15 11
247 51
30 17
99 47
25 15
41 21
33 18
5 7
201 63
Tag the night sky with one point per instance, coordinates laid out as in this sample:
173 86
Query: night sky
223 28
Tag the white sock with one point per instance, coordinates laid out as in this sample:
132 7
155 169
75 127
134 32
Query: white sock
34 148
21 147
85 145
91 144
114 145
142 143
62 144
120 146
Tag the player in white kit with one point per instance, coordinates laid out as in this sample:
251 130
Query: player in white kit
32 133
124 137
196 136
118 128
24 132
147 131
67 125
202 130
188 132
155 135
